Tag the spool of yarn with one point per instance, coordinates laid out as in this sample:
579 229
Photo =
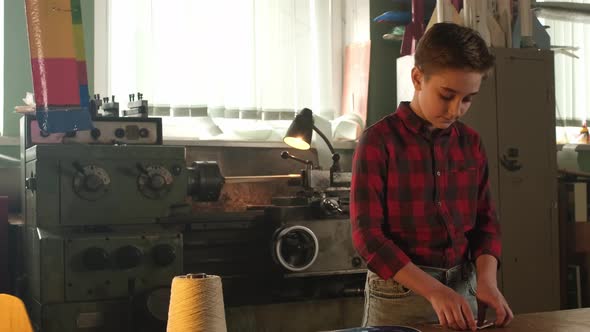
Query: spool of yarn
196 304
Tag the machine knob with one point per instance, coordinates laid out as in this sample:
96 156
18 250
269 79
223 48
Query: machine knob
154 181
95 133
144 132
95 259
357 261
90 182
330 205
128 257
31 183
157 182
163 254
119 132
93 182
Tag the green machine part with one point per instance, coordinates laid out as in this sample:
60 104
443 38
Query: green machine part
74 185
80 316
574 158
146 314
65 266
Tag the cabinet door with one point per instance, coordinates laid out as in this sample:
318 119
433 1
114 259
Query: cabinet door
482 117
527 179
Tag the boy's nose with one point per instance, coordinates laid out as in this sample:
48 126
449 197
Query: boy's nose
454 110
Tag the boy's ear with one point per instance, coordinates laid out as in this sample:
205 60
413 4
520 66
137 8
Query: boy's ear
417 78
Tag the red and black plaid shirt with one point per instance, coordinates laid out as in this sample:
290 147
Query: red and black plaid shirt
421 196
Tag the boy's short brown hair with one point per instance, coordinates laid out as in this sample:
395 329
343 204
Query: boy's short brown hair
448 45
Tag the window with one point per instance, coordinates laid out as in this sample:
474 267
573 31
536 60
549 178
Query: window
235 69
572 91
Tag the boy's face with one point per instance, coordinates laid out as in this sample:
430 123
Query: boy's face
443 97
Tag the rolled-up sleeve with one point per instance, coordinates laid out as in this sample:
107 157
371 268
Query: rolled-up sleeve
484 238
367 212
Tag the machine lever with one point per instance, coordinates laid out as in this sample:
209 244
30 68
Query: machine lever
287 155
79 167
142 169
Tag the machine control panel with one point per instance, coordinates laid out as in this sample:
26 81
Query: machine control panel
144 131
74 184
72 266
101 266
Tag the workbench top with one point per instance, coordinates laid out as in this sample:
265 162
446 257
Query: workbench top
576 320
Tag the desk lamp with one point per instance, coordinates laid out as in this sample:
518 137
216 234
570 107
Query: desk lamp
299 136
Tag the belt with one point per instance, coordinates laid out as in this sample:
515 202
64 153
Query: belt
450 276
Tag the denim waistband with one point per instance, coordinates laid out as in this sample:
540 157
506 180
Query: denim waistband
451 275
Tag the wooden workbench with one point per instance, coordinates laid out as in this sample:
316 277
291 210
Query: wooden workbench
577 320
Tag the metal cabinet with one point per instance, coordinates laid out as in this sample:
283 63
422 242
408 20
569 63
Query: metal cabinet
515 115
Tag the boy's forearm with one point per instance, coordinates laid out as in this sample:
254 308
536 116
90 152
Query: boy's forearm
486 267
420 282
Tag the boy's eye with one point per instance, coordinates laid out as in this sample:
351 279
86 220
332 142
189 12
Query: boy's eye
444 97
467 99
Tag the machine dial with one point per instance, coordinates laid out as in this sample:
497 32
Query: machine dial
296 248
95 259
163 254
95 133
128 257
154 181
91 182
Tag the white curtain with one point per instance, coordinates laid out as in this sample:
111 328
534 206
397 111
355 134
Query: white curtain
572 90
254 59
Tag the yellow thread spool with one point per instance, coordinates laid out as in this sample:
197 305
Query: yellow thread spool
196 304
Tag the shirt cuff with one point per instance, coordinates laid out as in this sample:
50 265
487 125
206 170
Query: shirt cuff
388 260
489 246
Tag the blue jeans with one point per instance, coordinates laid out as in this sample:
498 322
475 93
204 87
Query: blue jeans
387 302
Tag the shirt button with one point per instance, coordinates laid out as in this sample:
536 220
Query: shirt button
439 203
437 173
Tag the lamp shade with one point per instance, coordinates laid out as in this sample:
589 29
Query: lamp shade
300 131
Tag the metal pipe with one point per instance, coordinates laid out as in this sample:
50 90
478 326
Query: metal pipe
9 159
260 178
572 7
566 12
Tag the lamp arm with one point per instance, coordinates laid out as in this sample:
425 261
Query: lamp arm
335 156
325 139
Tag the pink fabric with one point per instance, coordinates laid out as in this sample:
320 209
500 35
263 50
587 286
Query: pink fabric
414 30
55 82
355 89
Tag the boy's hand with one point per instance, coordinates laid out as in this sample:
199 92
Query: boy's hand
452 309
488 295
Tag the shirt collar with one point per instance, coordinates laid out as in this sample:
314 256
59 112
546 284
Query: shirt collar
416 124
